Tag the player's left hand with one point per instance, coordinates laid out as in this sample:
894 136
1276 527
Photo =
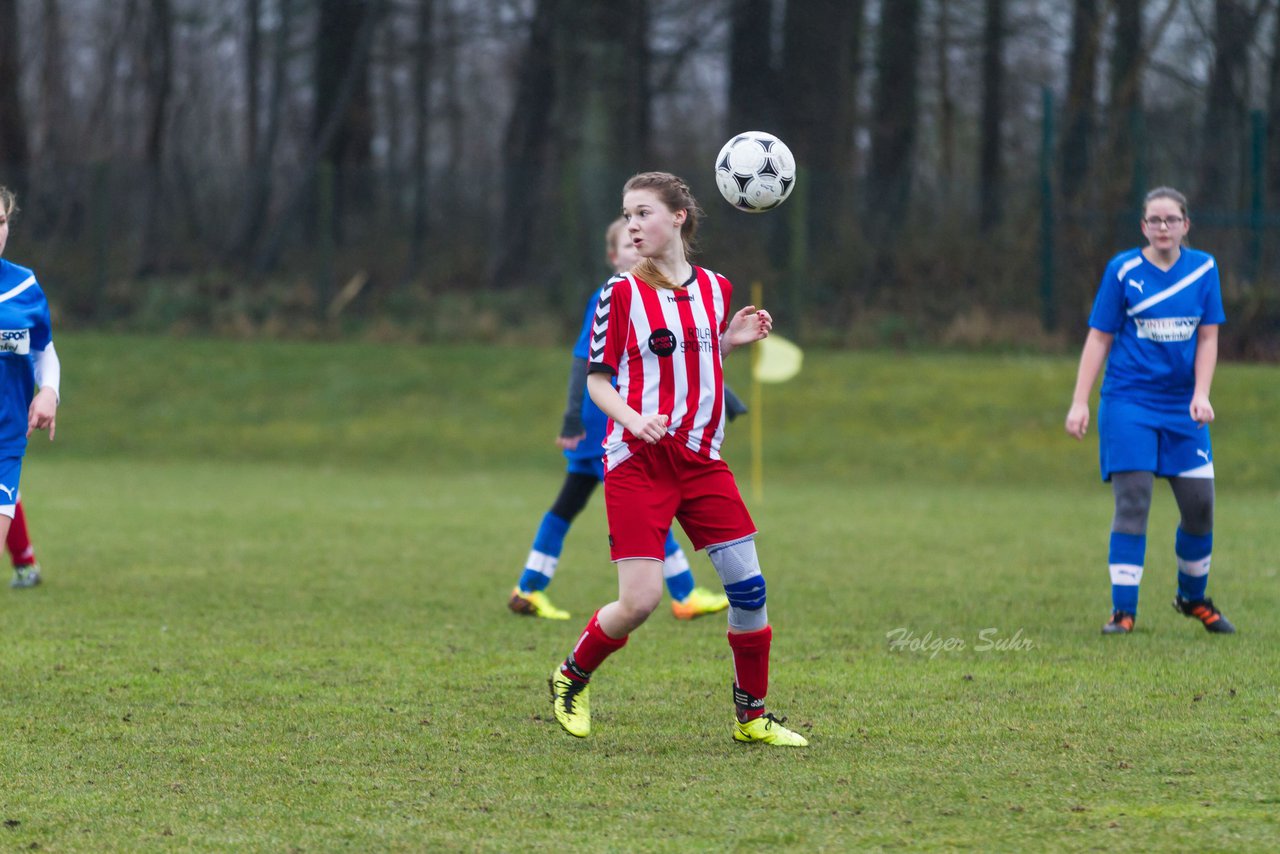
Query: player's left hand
748 326
1201 409
42 414
569 443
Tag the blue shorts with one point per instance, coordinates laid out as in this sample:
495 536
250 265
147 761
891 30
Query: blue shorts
1159 438
10 474
592 466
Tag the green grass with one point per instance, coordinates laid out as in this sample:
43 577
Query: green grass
274 620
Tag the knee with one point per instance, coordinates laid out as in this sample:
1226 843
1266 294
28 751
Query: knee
638 604
1197 518
1131 512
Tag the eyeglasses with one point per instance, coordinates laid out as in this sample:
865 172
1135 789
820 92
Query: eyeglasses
1167 222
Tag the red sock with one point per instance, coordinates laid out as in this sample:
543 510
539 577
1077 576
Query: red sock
750 671
19 541
593 647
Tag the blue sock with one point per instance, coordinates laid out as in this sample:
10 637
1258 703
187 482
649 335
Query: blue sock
1126 556
1194 553
675 570
540 566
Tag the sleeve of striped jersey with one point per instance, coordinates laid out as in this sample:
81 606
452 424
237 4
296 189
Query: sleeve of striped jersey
609 329
726 288
1213 313
1108 306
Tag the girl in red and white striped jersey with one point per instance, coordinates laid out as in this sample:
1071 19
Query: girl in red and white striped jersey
662 330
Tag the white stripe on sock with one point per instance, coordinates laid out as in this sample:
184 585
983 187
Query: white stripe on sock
1126 574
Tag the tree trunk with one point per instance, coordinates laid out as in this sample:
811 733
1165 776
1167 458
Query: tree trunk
321 142
341 76
894 116
1226 124
15 155
990 171
818 110
946 104
752 74
1273 120
252 75
258 181
527 138
601 134
1082 81
157 63
421 97
1125 114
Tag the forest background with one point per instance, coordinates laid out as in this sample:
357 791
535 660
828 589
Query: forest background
442 170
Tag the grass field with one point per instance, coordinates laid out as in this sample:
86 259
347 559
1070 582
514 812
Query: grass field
274 620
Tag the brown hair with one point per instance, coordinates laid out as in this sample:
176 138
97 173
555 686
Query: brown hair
675 194
1165 193
611 237
8 201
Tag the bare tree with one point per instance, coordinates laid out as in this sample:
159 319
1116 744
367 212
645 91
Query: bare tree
1080 108
1124 115
818 112
321 141
990 169
157 62
527 138
946 100
1226 124
252 76
894 118
258 182
752 67
422 52
341 74
15 155
1273 116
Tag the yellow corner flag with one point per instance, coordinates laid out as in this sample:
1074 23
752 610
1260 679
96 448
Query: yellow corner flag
779 360
773 360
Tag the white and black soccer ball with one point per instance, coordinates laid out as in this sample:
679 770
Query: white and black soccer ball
755 171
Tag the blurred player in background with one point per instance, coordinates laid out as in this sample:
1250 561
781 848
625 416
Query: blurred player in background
581 438
1155 325
662 330
29 378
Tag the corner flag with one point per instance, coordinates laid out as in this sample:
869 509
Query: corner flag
773 360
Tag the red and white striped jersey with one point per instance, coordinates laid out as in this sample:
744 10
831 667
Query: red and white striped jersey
664 348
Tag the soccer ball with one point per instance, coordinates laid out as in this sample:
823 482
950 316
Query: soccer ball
755 171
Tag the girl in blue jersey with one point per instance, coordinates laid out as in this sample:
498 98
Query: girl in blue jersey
581 438
1155 325
29 374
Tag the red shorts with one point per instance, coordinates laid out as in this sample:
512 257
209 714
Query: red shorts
666 481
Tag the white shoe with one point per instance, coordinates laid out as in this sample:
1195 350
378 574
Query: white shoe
25 576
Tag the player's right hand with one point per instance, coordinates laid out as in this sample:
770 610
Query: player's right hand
569 443
1078 420
650 428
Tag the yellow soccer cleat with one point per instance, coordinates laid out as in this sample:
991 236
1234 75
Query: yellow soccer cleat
699 602
767 729
570 702
535 604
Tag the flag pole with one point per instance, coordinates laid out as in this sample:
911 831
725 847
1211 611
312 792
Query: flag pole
757 409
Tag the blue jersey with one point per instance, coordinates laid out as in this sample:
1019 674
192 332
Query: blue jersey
593 420
1154 315
24 332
